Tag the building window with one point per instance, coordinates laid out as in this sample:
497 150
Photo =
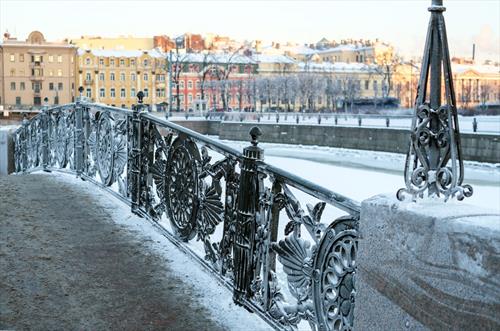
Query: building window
60 86
51 86
146 76
56 100
102 92
101 76
190 97
122 76
122 62
59 72
18 101
112 93
88 76
181 84
51 58
122 93
146 93
146 62
13 86
367 84
12 57
22 87
59 58
132 76
88 61
89 93
112 76
12 72
375 85
36 87
197 84
112 62
132 92
21 57
51 72
132 62
101 61
190 84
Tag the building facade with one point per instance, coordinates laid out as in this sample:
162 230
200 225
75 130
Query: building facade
114 77
118 43
35 69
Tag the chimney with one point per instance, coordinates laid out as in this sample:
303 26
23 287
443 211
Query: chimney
473 52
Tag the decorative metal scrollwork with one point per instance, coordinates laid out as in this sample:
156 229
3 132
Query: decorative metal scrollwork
434 160
110 148
182 187
334 270
226 204
320 274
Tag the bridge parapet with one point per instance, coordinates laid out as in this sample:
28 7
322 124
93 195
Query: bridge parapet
426 266
285 246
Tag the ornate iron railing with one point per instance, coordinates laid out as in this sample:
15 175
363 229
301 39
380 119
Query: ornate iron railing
240 217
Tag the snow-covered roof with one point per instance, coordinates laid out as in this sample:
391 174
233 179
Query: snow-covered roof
303 50
480 69
213 58
271 58
335 67
122 53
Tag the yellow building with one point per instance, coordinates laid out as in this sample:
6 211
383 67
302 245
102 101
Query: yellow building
114 77
474 84
34 69
119 43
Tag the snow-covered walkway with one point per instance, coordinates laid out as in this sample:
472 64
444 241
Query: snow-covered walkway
73 257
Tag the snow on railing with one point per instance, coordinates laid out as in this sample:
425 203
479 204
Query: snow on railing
239 217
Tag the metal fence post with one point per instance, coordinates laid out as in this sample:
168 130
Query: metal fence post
79 134
25 142
135 156
45 134
248 204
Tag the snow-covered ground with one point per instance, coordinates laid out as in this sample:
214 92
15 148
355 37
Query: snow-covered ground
485 124
212 295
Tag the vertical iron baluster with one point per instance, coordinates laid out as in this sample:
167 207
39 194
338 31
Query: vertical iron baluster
136 154
248 203
44 119
79 135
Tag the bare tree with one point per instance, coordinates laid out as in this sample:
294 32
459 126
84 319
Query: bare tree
484 93
204 72
333 91
386 65
224 70
178 66
350 87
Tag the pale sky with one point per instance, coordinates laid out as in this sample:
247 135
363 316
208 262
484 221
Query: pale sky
402 23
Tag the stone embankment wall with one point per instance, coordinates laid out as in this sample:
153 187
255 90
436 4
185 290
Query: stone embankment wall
476 147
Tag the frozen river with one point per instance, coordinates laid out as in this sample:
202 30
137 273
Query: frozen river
362 174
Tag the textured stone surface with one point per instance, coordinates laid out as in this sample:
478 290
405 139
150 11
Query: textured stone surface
65 265
427 265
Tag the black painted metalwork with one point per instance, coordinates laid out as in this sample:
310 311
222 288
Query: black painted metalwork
242 217
434 161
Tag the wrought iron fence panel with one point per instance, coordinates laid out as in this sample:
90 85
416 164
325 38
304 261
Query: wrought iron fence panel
277 240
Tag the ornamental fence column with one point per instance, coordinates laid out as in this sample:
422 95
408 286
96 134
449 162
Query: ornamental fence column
248 204
79 134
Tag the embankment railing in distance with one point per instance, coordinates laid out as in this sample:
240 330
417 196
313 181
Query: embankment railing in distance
285 246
